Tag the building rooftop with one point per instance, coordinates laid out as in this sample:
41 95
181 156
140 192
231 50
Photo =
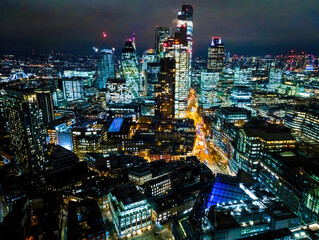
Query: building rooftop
225 189
221 220
116 125
127 194
234 110
268 132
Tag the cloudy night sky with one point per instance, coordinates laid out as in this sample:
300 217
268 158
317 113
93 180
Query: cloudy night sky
249 27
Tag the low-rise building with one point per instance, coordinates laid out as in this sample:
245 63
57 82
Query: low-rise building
131 212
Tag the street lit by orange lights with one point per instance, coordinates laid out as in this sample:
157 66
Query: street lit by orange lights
201 147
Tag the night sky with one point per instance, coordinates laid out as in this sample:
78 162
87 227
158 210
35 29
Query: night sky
246 26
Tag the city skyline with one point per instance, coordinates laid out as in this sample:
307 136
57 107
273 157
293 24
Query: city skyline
247 28
141 139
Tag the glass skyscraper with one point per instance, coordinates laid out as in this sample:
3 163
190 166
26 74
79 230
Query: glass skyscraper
27 130
130 70
181 49
105 68
216 53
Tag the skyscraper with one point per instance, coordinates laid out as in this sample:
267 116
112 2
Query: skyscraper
208 89
216 53
161 34
116 90
182 56
27 130
185 18
165 90
72 89
45 101
130 70
105 68
181 49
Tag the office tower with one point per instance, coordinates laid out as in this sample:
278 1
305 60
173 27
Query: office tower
116 90
72 89
45 101
183 47
242 77
208 89
131 212
165 90
254 140
86 137
153 70
304 121
241 97
27 130
161 34
275 79
130 70
216 56
59 132
105 68
3 115
185 18
178 49
148 57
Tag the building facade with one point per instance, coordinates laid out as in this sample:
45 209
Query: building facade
27 130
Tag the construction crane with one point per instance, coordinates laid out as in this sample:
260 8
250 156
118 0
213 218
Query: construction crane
103 39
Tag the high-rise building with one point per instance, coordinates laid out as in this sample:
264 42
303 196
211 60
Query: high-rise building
216 52
105 68
72 89
254 140
3 116
116 90
27 130
45 101
242 77
275 79
130 70
153 70
304 121
208 89
86 137
183 46
165 90
161 34
185 18
148 58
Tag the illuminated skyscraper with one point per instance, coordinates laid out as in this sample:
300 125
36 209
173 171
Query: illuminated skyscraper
216 56
181 49
165 90
242 77
149 58
130 70
27 130
185 18
161 34
116 90
72 89
105 68
182 56
208 89
275 79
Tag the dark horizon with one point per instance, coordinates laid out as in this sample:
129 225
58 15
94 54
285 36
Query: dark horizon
247 28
